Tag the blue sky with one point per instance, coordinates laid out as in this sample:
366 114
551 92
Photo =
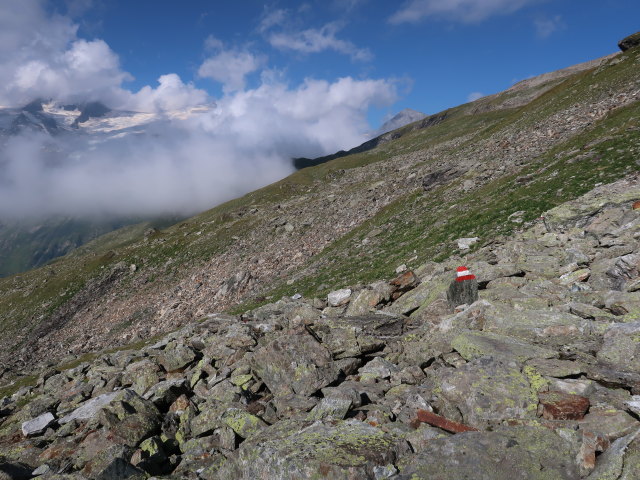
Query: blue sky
437 52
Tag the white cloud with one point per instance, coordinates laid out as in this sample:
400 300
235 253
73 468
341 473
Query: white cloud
318 40
213 43
466 11
184 166
230 68
545 27
170 94
473 96
173 165
42 56
272 19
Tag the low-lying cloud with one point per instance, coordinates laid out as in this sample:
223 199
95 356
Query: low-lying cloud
174 164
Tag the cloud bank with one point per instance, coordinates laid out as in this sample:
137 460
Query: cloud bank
242 141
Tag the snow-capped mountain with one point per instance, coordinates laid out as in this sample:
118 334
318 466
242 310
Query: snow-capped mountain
89 118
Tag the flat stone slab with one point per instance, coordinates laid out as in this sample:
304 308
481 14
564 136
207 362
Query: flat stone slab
90 408
525 453
479 344
38 425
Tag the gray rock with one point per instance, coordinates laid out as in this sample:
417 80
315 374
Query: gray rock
339 297
519 452
488 392
629 42
355 336
339 450
38 425
334 407
366 300
295 364
466 243
377 369
621 347
90 408
611 463
176 358
461 293
473 345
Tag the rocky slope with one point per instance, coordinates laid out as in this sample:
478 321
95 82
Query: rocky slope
538 379
479 170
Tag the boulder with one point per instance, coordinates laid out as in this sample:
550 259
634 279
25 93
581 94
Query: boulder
294 364
621 347
340 450
487 392
339 297
629 42
525 453
480 344
353 336
38 425
90 408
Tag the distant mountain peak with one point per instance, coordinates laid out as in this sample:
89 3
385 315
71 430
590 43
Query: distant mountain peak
91 110
402 118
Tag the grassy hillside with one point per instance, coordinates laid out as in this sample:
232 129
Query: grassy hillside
348 221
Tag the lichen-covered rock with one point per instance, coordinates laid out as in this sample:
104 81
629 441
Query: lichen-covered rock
480 344
295 364
488 392
520 452
176 357
548 327
354 336
621 347
141 375
341 450
242 422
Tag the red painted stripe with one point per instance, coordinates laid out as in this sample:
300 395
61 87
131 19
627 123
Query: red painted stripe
466 277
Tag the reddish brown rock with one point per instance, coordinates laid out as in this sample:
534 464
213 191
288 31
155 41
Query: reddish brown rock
562 406
592 442
403 283
181 404
443 423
